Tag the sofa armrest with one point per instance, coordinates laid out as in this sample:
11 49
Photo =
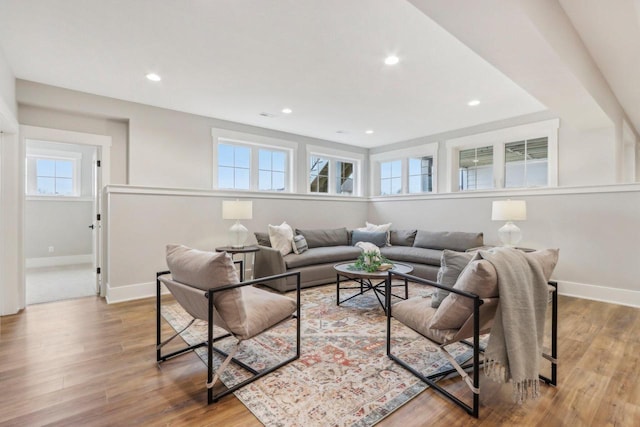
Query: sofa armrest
268 262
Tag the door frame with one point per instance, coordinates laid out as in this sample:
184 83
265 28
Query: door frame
103 152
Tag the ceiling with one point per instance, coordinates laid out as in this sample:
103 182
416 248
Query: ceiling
240 59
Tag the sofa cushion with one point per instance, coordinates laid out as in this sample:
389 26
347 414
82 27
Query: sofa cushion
412 254
402 237
281 237
378 238
324 255
454 240
205 270
479 277
451 265
322 238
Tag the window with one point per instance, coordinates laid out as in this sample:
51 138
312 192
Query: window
234 166
515 157
391 177
526 163
53 175
271 170
251 166
476 168
319 175
344 178
331 173
421 174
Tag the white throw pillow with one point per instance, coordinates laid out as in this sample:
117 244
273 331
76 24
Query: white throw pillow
281 237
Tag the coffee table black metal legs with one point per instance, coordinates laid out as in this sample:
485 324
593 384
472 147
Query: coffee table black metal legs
365 285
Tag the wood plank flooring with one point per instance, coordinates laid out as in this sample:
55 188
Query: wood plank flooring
83 362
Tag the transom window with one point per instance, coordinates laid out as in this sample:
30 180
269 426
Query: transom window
421 174
391 177
246 166
331 175
53 175
526 163
476 168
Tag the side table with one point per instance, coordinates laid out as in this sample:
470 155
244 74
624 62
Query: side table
244 251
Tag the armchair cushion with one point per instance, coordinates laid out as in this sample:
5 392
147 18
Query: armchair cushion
264 309
206 270
480 278
451 265
417 313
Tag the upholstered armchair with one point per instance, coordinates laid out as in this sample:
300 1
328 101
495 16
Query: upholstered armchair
206 286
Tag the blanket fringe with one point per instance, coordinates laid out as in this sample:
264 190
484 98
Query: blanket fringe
522 390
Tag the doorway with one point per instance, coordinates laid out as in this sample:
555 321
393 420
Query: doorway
60 208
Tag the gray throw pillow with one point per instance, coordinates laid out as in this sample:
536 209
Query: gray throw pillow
402 237
263 239
378 238
451 265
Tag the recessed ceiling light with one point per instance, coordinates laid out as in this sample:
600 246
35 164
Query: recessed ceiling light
154 77
368 132
287 110
473 103
391 60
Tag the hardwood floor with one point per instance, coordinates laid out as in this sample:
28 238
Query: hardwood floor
83 362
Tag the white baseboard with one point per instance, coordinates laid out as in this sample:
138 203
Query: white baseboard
54 261
132 292
599 293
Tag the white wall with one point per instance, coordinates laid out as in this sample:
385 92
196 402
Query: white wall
596 228
142 221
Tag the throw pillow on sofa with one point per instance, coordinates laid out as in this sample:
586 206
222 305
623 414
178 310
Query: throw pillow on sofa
281 237
378 238
299 244
325 237
377 228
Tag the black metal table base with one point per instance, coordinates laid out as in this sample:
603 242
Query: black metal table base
366 285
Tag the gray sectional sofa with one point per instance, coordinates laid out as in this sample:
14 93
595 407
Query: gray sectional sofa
418 248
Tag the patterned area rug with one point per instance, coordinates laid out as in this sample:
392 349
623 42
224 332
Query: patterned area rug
343 377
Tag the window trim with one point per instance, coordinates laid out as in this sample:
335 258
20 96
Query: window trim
34 154
254 143
425 150
498 139
334 156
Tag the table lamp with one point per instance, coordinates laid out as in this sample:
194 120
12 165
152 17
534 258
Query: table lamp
509 211
236 209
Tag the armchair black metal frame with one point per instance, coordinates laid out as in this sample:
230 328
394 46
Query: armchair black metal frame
476 363
209 343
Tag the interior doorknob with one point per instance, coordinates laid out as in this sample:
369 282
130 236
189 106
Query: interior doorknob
92 226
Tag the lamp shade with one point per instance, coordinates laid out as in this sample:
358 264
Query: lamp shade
509 210
236 209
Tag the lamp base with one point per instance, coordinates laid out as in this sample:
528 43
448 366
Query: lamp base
509 234
238 234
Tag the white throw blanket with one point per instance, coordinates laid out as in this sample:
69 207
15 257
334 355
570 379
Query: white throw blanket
515 345
368 247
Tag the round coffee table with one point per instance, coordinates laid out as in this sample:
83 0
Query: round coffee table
378 281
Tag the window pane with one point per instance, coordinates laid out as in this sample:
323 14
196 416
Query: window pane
385 170
242 157
319 175
64 169
414 166
414 184
45 167
46 186
225 155
396 186
264 180
344 184
241 179
279 161
64 186
385 187
476 168
264 159
396 168
225 177
526 163
420 180
278 181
